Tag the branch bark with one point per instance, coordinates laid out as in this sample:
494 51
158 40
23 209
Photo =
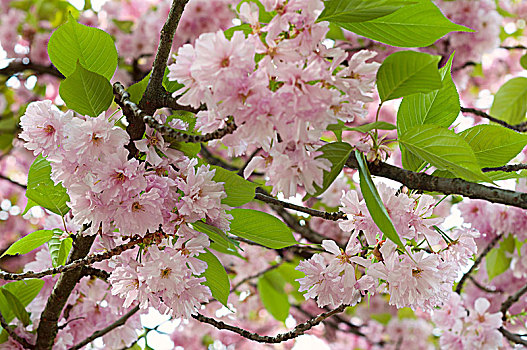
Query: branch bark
48 325
425 182
18 66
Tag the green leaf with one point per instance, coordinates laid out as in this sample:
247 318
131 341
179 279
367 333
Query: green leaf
137 90
498 260
42 190
245 28
239 191
374 203
365 128
349 11
337 153
92 47
169 85
405 73
510 102
216 276
271 289
86 92
443 149
25 291
65 247
55 246
417 25
30 204
523 61
494 145
261 228
216 235
440 107
263 16
16 306
28 243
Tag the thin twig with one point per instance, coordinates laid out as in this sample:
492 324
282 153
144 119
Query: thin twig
515 338
313 212
296 332
18 66
511 300
515 47
88 260
478 260
119 322
25 344
465 65
483 288
259 274
522 127
3 177
506 168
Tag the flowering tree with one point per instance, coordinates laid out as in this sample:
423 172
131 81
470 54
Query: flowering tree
213 160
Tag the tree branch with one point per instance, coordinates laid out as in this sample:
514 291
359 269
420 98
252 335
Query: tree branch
478 260
313 212
18 66
119 322
522 127
515 338
511 300
296 332
48 324
483 288
79 262
3 177
25 344
155 87
506 168
122 98
425 182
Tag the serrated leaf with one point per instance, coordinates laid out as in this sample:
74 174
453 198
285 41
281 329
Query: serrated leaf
42 190
28 243
443 149
239 191
86 92
261 228
494 145
25 291
16 306
65 247
440 107
216 276
523 61
30 204
271 290
498 260
405 73
337 153
54 245
374 203
510 102
363 128
349 11
92 47
417 25
170 86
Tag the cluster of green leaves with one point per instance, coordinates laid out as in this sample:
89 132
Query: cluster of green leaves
14 297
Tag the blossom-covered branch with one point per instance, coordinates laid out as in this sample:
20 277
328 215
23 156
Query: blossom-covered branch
295 332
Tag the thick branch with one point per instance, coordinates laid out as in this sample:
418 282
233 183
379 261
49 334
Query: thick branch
119 322
313 212
18 66
425 182
478 260
296 332
48 324
155 86
522 127
25 344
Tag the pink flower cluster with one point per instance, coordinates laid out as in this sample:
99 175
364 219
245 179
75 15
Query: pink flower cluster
415 278
466 327
281 86
124 197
